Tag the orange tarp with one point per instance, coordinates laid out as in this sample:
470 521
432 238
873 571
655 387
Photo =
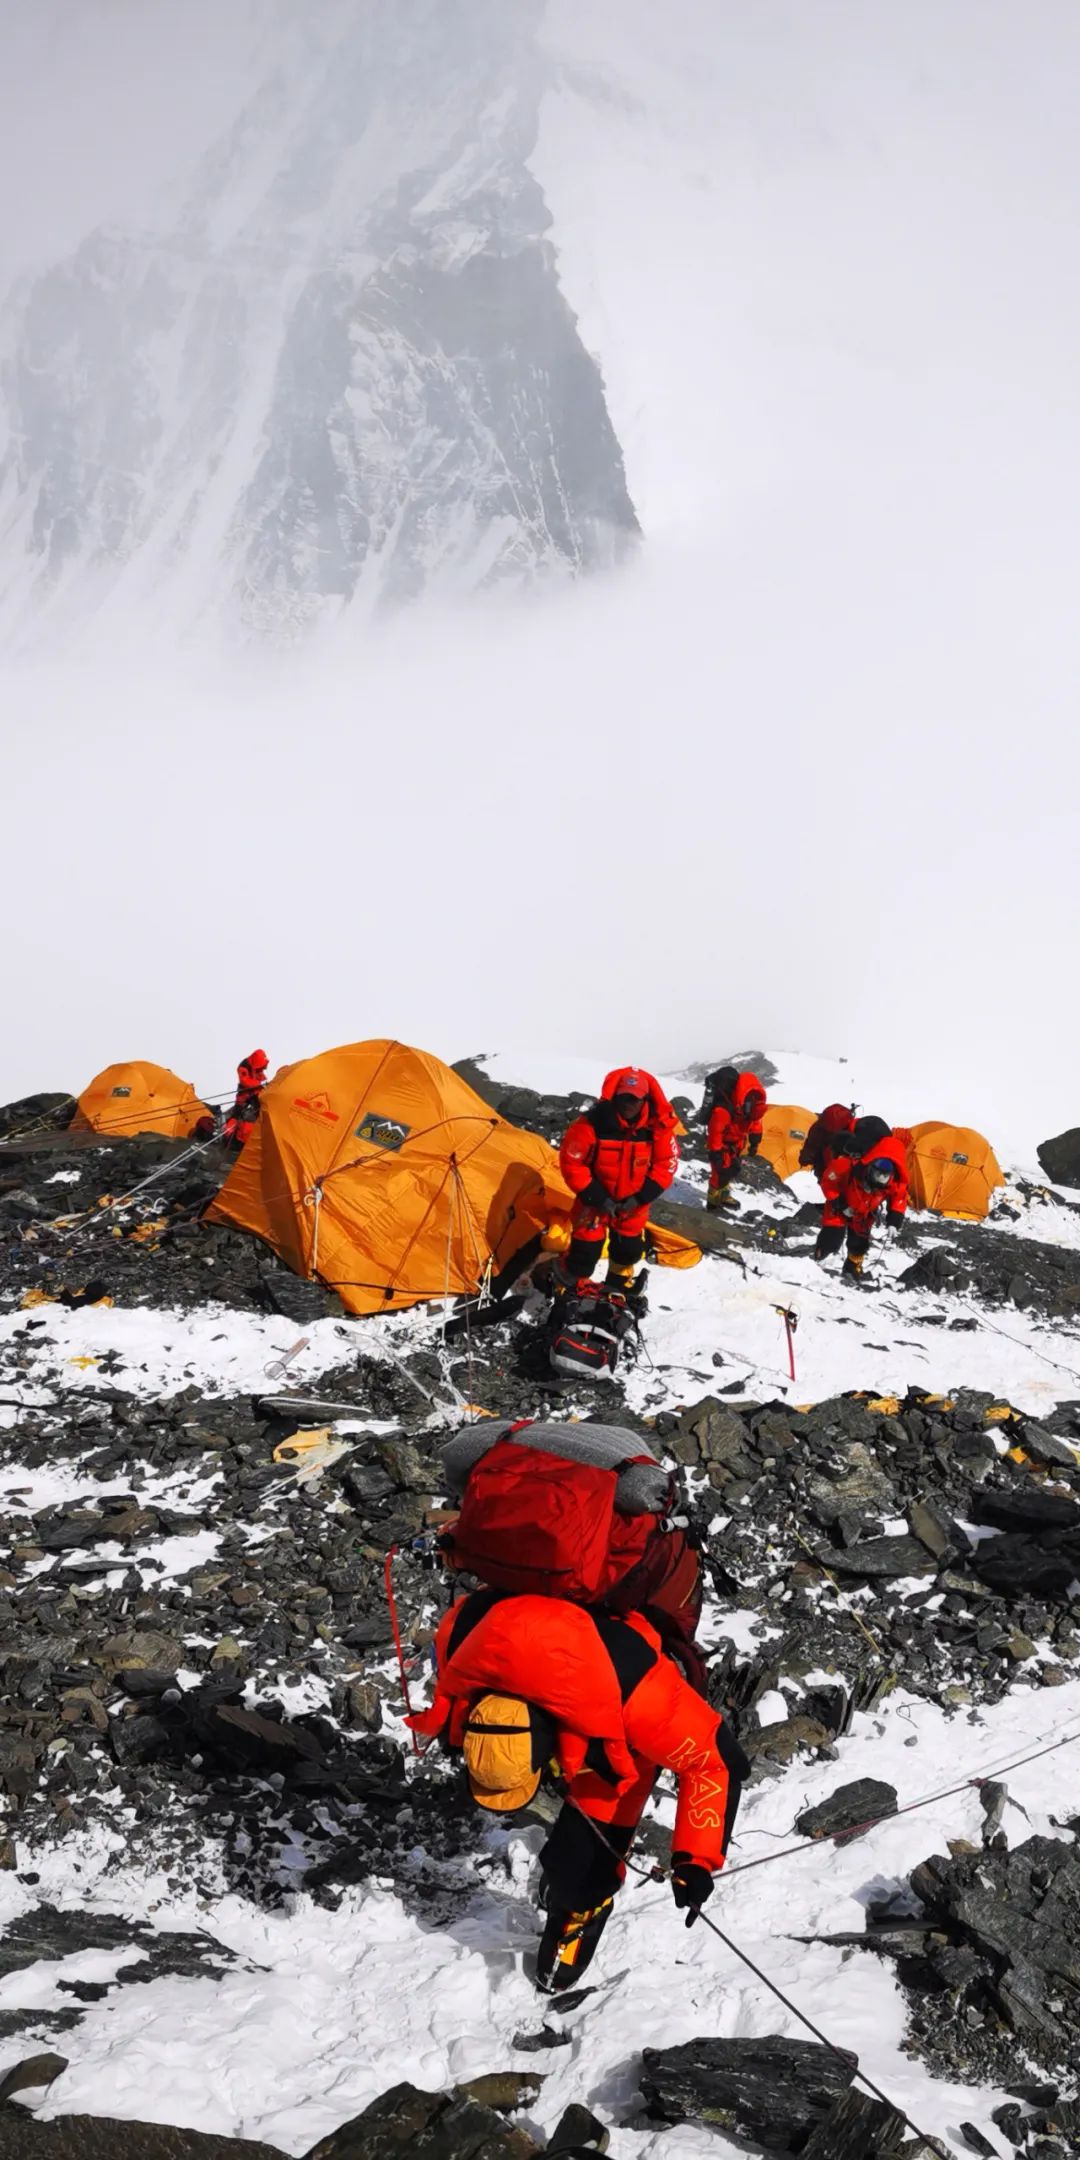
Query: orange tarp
377 1169
139 1098
953 1170
783 1130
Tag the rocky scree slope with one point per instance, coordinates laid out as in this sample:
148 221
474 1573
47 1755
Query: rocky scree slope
199 1647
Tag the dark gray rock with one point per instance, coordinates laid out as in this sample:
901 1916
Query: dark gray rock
1024 1507
866 1800
1060 1157
883 1558
578 2130
30 2075
408 2124
857 2127
1044 1566
773 2091
98 2137
1045 1446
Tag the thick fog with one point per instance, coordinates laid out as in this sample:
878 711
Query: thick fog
802 772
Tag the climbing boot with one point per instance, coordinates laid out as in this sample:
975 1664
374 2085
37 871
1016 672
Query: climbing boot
568 1945
619 1279
721 1200
852 1270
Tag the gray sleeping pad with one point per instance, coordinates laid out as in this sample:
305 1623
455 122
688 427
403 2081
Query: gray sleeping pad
642 1489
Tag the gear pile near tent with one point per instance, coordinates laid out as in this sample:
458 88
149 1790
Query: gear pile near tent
377 1170
953 1171
139 1098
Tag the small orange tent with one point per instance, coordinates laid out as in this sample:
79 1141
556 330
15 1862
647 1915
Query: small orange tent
376 1168
953 1170
139 1098
783 1131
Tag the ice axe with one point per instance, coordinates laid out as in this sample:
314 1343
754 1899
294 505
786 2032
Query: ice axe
790 1319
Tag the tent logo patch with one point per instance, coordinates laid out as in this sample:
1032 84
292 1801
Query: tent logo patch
316 1106
384 1132
121 1091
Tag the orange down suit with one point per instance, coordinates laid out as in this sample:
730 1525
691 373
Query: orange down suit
621 1709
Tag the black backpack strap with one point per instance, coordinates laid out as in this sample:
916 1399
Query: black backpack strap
630 1654
475 1609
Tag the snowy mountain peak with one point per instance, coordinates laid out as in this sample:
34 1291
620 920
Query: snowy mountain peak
338 367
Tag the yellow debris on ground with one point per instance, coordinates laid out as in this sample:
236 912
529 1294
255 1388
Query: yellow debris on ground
299 1444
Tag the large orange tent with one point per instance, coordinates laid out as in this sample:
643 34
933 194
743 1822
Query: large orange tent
139 1098
783 1132
953 1170
378 1170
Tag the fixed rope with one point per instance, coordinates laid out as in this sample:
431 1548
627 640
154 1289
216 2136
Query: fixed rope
79 1223
658 1874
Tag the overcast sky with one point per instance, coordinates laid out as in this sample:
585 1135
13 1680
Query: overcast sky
807 774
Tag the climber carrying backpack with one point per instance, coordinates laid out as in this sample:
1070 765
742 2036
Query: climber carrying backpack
532 1684
872 1171
579 1512
827 1137
735 1104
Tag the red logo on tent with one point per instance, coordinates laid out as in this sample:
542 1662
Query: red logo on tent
318 1105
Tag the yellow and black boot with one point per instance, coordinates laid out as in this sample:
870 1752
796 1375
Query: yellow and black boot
721 1200
568 1945
852 1270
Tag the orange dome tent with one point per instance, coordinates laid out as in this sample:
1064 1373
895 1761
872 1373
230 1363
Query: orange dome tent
139 1098
783 1131
379 1171
953 1170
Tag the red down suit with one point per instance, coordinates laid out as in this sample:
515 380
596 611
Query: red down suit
620 1707
850 1203
616 1168
735 1122
250 1082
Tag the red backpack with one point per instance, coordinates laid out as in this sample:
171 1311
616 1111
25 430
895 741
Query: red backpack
535 1522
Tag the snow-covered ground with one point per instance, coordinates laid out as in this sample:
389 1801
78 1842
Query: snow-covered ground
309 1988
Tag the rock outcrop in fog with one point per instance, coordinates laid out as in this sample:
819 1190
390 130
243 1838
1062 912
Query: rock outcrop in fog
339 367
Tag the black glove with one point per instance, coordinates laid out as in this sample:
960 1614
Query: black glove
596 1196
691 1884
649 1192
894 1220
627 1204
755 1142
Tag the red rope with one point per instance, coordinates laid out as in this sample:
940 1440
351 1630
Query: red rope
388 1578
